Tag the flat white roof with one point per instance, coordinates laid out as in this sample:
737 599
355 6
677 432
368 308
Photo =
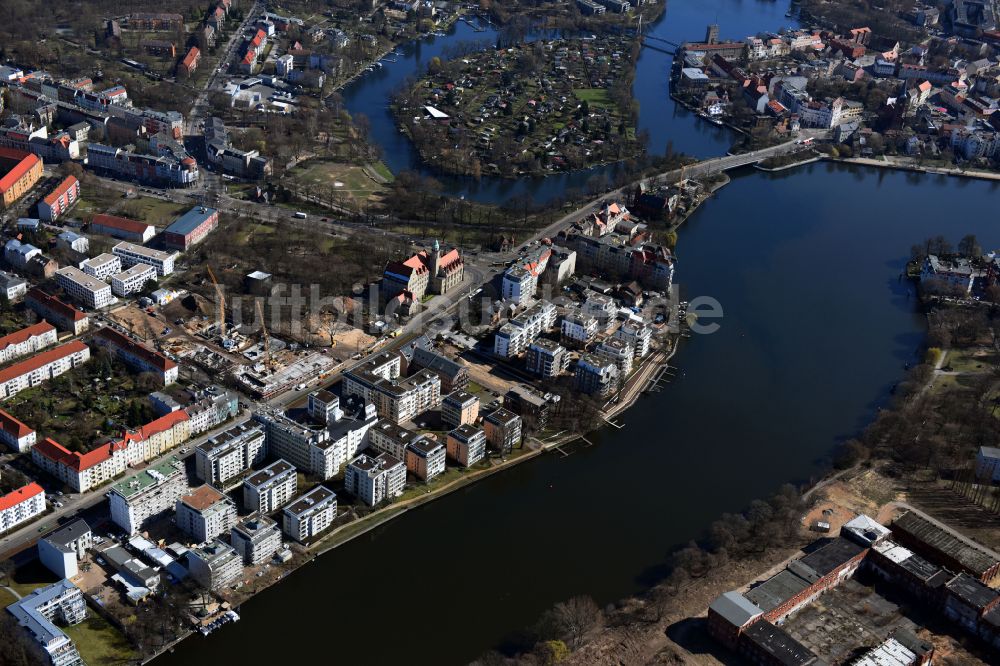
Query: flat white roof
436 113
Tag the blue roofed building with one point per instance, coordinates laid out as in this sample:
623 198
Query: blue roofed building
190 228
60 602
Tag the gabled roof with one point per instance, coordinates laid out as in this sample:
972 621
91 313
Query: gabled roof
25 162
122 223
62 188
25 334
41 359
12 426
23 493
54 304
120 341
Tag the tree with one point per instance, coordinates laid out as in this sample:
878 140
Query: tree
969 246
571 620
553 652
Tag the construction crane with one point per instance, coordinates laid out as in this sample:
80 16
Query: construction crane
222 302
267 340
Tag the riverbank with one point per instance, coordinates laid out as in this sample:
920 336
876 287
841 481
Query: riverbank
908 164
634 387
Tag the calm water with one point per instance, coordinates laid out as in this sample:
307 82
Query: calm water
817 327
683 20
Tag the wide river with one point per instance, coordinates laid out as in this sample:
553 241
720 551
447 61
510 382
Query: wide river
817 328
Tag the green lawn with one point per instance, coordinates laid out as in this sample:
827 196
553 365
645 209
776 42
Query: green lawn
593 96
99 642
383 171
157 212
6 598
348 182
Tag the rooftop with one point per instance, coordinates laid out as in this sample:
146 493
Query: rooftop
40 360
735 608
777 590
783 649
28 616
315 497
972 556
23 493
147 478
69 533
202 498
971 591
25 334
275 469
190 220
121 223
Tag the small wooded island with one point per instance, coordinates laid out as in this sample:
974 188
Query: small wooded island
536 108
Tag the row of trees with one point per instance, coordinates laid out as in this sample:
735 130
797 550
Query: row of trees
765 525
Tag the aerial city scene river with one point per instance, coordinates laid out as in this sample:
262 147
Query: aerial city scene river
500 333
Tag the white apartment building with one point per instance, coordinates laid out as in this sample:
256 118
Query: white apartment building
388 437
42 366
62 550
13 286
310 514
578 329
37 612
132 254
216 407
514 337
205 513
546 358
309 449
637 334
518 285
377 380
602 308
520 281
137 356
270 488
150 493
373 479
618 352
132 280
27 341
215 565
466 444
102 266
15 434
21 505
256 539
85 289
230 453
108 460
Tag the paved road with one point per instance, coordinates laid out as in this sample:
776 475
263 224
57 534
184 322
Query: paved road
78 502
436 310
201 106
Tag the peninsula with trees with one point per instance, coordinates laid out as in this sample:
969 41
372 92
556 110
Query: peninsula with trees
534 108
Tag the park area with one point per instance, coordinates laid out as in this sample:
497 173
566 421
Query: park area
537 108
97 399
337 183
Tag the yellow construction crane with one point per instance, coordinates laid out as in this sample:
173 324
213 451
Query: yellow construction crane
267 339
222 302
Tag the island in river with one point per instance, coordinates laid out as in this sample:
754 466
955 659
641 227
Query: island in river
535 108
